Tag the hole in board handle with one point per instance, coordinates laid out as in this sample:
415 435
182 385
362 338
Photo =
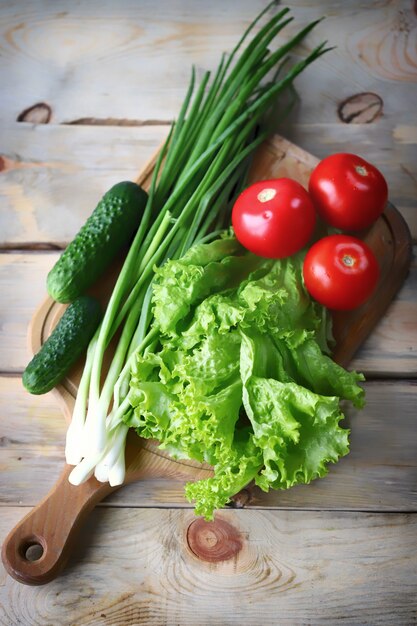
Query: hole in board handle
32 549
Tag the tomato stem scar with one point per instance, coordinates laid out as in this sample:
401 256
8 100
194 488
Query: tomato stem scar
361 169
348 260
267 194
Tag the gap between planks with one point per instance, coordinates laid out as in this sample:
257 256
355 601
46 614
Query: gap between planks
232 509
31 247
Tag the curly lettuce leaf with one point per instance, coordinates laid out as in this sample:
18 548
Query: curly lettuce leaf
204 269
240 375
243 464
297 430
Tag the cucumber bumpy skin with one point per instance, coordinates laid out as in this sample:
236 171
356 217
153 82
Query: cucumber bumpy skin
108 229
64 346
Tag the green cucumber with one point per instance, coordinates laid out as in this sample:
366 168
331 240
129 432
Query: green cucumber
64 346
109 228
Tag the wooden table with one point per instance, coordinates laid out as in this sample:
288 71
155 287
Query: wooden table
89 90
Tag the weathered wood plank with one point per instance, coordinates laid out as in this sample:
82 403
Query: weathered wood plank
23 288
391 349
308 567
43 203
53 177
85 64
379 473
122 51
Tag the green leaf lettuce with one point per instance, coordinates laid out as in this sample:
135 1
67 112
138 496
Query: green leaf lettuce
240 376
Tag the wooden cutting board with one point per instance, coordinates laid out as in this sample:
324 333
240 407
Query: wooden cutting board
36 550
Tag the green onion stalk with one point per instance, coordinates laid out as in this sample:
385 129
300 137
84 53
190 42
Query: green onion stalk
200 169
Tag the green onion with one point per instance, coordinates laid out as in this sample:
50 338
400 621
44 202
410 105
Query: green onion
200 170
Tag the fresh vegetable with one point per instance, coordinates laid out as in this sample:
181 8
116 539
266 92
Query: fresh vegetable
274 218
238 375
348 192
64 345
109 228
202 167
340 271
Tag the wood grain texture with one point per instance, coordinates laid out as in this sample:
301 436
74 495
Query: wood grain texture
23 281
54 525
42 205
292 568
138 69
74 53
53 177
391 348
62 55
380 473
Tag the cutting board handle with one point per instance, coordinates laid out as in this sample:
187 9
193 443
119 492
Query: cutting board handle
37 549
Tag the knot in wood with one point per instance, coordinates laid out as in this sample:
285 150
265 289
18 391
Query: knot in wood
213 541
362 108
39 113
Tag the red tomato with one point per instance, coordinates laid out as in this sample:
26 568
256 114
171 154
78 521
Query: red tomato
340 272
348 192
274 218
